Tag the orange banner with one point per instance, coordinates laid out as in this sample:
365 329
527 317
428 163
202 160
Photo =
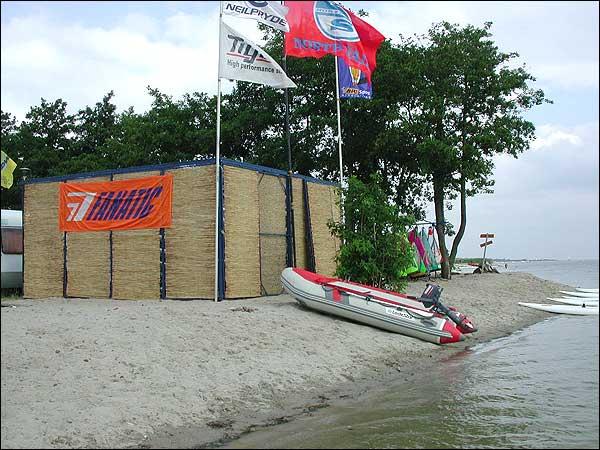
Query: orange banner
116 205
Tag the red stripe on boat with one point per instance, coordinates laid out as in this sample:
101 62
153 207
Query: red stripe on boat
337 296
457 336
323 280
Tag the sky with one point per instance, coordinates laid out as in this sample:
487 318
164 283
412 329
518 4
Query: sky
545 203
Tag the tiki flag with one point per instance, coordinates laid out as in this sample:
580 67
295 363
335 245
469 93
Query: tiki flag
269 13
325 28
353 82
241 59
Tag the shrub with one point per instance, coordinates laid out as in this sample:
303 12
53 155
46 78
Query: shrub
374 250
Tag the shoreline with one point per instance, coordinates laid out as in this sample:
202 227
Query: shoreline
198 374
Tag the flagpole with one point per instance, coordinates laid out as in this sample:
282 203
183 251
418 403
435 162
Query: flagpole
291 241
339 121
291 244
218 161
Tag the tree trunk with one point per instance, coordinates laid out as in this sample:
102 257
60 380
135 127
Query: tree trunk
440 225
463 221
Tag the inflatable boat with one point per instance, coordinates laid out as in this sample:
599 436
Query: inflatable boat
424 318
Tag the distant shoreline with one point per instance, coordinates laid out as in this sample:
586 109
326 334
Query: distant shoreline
467 260
497 260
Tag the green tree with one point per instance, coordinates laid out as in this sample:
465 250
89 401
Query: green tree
375 249
170 131
93 129
46 138
468 107
175 131
254 125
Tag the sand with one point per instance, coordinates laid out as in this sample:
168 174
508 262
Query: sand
91 373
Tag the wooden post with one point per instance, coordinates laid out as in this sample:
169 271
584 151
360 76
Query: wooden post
484 250
485 245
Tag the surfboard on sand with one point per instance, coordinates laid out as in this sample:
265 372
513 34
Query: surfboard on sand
564 309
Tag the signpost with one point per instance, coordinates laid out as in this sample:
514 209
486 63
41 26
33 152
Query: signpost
485 236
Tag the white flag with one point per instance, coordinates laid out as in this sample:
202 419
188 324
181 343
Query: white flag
269 13
241 59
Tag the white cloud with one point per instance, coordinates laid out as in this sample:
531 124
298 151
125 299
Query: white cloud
549 136
557 224
543 202
80 64
568 74
557 41
141 24
177 53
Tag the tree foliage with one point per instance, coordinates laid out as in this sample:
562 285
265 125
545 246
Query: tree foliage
375 249
467 106
444 104
51 142
256 117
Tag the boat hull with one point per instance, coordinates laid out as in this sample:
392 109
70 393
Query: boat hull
381 309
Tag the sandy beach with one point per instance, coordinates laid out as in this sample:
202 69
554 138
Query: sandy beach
90 373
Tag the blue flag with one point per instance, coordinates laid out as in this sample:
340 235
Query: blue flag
353 82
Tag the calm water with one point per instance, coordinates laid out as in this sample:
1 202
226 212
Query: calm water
537 388
576 273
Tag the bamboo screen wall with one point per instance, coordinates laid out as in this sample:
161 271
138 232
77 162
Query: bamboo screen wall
136 258
299 224
43 242
272 232
127 264
322 209
190 242
240 208
88 261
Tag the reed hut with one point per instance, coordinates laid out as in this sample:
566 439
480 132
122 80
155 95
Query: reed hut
257 241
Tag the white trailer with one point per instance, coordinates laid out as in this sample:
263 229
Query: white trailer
12 249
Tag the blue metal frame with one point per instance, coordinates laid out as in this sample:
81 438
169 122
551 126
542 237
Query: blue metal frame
179 165
310 248
163 260
110 257
221 280
23 237
150 168
271 171
65 273
289 237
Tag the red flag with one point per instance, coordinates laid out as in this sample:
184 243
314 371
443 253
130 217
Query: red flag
326 28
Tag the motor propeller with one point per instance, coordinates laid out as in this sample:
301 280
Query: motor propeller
431 297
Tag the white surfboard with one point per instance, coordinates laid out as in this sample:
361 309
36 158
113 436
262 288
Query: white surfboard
580 294
574 301
564 309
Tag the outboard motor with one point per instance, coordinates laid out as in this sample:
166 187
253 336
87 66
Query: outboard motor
431 297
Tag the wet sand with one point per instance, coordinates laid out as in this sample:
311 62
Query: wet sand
91 373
